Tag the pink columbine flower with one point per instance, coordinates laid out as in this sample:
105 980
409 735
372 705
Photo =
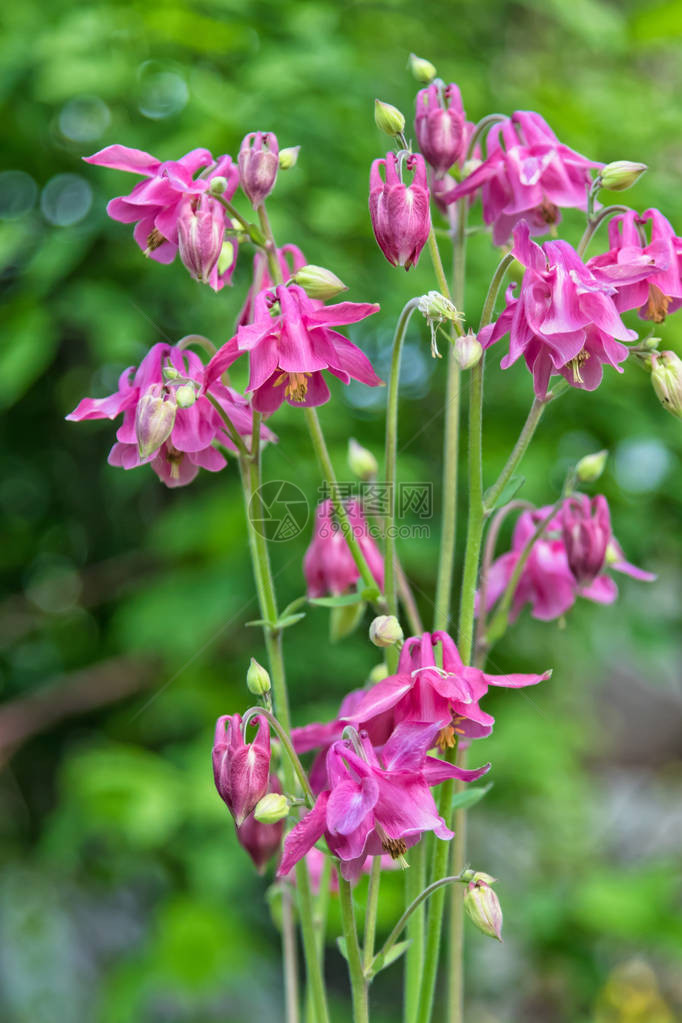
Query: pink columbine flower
201 230
547 582
400 213
241 770
646 276
440 126
156 428
446 694
565 319
586 533
375 802
290 259
528 175
261 841
155 204
328 565
258 165
290 342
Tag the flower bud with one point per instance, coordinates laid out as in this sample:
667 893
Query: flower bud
586 532
361 461
437 308
271 808
241 770
200 238
440 125
217 185
258 164
261 841
422 70
257 679
666 377
468 350
154 419
186 395
590 468
388 118
378 673
385 631
483 908
400 214
318 282
226 257
621 174
477 876
288 158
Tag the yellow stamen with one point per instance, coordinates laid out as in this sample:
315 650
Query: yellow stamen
154 240
446 738
297 386
396 847
657 304
576 363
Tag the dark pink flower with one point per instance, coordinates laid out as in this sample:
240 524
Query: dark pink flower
170 374
154 205
565 319
645 276
586 533
375 802
261 841
528 175
440 126
290 259
258 165
400 213
289 343
241 770
328 564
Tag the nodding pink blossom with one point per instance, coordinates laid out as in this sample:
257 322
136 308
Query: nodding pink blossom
168 420
261 841
290 259
564 320
289 343
241 770
440 126
258 165
400 213
586 532
201 230
375 803
328 565
645 276
528 175
154 205
546 581
446 694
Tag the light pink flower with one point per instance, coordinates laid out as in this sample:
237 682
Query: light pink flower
241 770
289 343
195 430
328 564
258 165
400 213
440 126
528 175
564 320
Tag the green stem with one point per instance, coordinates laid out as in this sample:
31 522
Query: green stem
415 917
270 246
435 917
371 912
289 956
412 909
494 289
475 516
455 974
287 746
488 555
594 222
358 981
234 213
483 125
236 437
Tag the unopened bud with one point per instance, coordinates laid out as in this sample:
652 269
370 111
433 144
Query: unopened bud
318 282
258 164
388 118
590 468
385 631
257 679
217 185
468 350
477 875
200 238
186 395
422 70
288 158
651 343
666 377
154 419
226 257
378 673
621 174
437 309
483 908
271 808
362 462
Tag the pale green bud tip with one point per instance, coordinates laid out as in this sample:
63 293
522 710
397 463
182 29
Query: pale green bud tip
590 468
477 875
422 70
217 186
186 395
385 631
483 908
388 118
271 808
288 158
468 350
226 257
621 174
257 679
318 282
361 461
378 673
666 377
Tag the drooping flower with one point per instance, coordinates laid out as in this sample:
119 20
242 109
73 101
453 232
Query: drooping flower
586 532
156 428
328 564
201 230
647 277
440 126
241 770
528 175
564 320
400 213
155 204
290 342
261 841
546 581
258 165
375 802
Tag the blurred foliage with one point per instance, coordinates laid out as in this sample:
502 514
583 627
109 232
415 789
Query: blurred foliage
124 894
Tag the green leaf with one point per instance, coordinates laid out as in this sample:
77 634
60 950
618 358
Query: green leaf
286 620
341 945
380 962
345 600
469 797
293 606
509 491
344 620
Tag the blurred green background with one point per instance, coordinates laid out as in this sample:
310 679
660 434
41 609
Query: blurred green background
123 895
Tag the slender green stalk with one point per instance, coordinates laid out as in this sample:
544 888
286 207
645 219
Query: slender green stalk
289 956
371 912
455 973
480 645
475 517
435 917
415 882
234 213
594 222
494 289
321 907
480 129
287 746
270 246
358 981
423 895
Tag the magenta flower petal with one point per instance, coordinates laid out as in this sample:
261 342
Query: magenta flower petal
125 159
304 835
